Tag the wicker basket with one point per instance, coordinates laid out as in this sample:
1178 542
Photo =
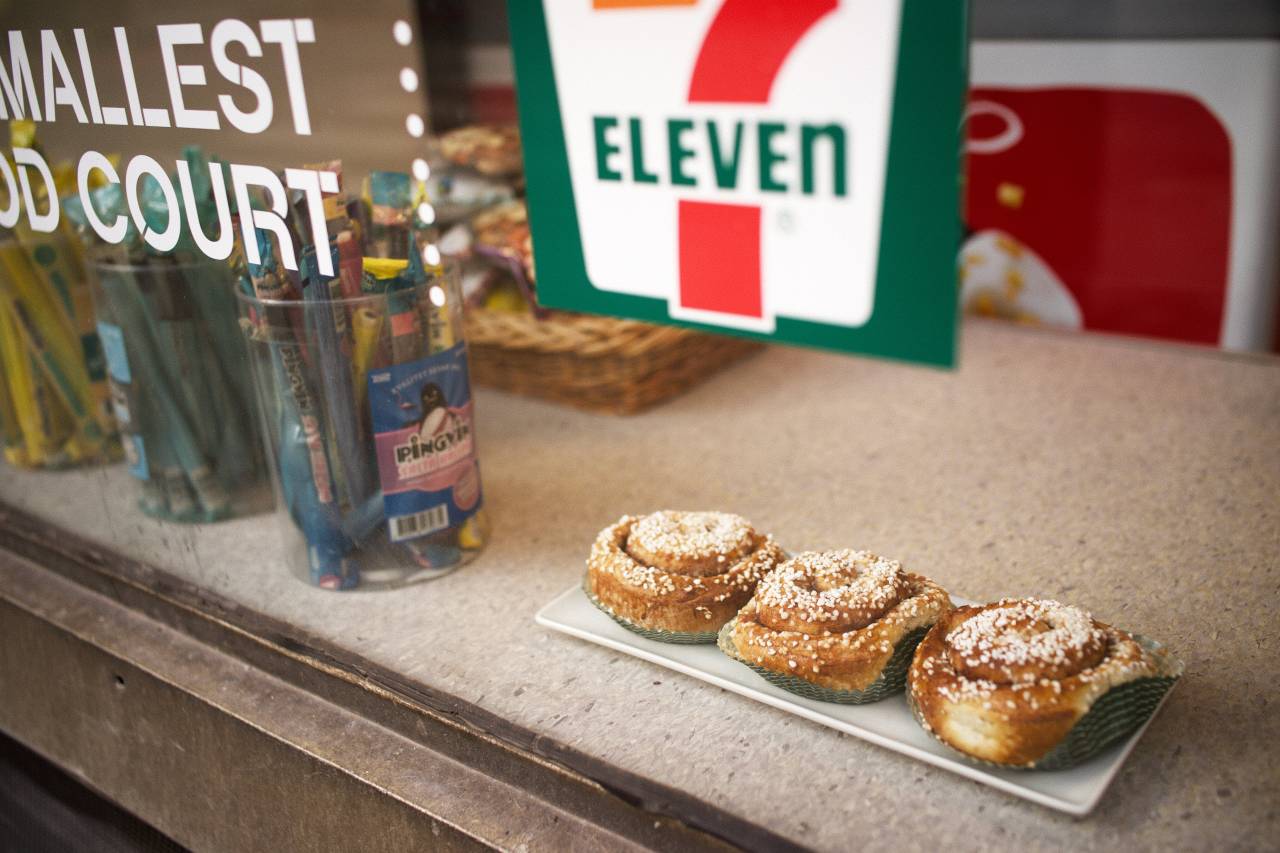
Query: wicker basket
597 363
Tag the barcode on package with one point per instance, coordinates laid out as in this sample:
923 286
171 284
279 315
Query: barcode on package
420 523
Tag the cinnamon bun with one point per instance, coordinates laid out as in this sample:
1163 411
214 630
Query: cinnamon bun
678 576
838 626
1033 683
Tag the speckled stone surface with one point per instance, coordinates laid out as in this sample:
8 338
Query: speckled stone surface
1140 481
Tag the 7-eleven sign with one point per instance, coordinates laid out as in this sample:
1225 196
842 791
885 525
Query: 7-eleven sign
784 169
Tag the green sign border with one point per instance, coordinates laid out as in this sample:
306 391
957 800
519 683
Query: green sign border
914 317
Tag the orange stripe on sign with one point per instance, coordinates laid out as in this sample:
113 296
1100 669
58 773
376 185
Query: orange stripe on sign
635 4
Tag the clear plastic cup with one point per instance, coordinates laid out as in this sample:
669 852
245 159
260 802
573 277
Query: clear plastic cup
178 370
366 411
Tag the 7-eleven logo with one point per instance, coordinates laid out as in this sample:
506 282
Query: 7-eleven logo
728 156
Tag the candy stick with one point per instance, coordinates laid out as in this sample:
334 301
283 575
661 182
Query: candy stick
184 340
350 263
155 495
227 371
385 276
366 330
342 231
10 431
148 451
56 262
436 319
38 442
304 465
47 363
389 196
474 530
180 504
270 285
329 327
165 494
327 545
169 324
364 519
58 355
49 262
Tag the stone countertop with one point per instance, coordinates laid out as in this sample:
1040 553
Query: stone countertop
1141 481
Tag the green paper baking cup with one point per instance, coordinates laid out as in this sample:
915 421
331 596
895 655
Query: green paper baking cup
890 681
679 638
1113 717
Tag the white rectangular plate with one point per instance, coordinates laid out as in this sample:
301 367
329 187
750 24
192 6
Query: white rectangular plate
887 723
